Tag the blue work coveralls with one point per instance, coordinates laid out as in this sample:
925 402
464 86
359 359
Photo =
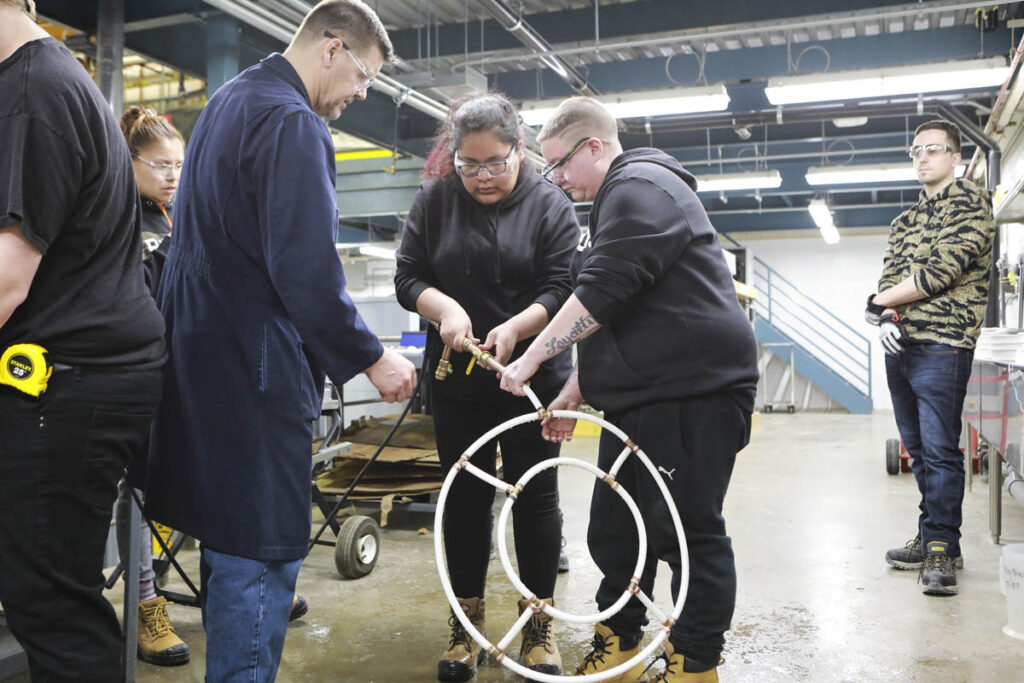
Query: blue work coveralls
256 310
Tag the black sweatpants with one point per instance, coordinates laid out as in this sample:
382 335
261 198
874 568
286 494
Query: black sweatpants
61 457
467 515
693 444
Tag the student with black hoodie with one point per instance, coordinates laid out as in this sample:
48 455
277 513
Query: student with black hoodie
486 250
667 353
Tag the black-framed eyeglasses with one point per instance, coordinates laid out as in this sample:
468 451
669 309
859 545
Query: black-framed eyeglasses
160 168
368 79
929 150
493 168
549 171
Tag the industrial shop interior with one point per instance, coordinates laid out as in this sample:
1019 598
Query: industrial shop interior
390 341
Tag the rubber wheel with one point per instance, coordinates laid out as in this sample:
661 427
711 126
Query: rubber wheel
357 547
791 409
768 408
892 456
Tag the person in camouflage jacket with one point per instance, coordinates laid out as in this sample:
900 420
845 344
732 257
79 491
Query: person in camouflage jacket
929 308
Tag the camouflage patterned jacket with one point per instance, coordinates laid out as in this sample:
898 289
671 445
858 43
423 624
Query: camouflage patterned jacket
945 243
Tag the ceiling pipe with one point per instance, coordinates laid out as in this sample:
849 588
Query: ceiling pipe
283 30
691 36
685 122
528 36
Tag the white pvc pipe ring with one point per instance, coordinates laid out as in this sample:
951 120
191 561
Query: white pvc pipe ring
499 650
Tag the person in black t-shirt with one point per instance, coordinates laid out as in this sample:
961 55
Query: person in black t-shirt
71 281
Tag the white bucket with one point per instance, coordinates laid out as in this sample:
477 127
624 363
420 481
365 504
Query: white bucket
1011 582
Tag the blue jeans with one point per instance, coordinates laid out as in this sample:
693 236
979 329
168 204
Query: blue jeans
927 383
246 604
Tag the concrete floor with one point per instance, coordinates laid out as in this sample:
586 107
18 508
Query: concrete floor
811 511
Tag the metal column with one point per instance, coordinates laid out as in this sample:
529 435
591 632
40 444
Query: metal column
110 51
131 593
222 51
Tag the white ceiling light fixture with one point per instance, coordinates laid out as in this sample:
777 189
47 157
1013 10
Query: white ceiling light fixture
377 252
642 103
865 173
822 217
888 81
752 180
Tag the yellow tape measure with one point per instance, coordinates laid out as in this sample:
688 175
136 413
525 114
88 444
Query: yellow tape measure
26 367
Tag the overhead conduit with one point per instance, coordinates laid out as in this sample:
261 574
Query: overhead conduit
528 36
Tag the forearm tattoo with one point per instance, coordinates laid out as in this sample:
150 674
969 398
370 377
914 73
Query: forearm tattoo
579 330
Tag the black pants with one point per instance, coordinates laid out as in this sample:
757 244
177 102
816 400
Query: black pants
467 515
61 457
693 443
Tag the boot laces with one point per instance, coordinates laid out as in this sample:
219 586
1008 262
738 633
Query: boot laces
597 654
941 562
914 544
460 636
156 620
663 674
537 633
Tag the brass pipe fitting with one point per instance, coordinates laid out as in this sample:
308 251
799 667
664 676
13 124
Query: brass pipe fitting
444 366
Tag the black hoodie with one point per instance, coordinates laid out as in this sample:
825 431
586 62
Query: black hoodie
653 275
495 261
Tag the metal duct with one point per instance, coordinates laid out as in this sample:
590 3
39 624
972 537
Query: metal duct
283 30
528 36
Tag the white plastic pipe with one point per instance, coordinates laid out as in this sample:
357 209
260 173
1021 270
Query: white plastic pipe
498 650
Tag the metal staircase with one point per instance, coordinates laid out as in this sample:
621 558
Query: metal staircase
827 352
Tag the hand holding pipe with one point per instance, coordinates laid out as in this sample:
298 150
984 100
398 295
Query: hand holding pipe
482 357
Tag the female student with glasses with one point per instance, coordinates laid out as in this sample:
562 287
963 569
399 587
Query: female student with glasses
485 252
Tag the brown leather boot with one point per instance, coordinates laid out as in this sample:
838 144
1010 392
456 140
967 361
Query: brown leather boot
675 670
459 662
539 651
158 643
607 654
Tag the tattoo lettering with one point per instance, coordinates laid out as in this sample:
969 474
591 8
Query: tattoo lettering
579 329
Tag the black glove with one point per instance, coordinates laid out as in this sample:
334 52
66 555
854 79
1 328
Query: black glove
873 313
892 334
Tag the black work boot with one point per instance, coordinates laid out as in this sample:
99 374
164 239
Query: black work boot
911 556
938 571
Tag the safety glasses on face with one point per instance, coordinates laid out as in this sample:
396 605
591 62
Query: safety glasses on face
163 169
929 150
493 168
549 171
368 79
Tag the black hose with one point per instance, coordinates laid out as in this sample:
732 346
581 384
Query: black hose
383 444
163 546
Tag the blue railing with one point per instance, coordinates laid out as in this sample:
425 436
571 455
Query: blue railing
813 328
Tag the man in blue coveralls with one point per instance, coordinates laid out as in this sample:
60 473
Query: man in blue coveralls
256 310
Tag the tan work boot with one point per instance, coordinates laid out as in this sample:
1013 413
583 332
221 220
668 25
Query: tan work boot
459 662
158 643
675 670
608 654
539 651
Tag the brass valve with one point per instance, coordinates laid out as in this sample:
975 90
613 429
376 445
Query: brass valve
444 366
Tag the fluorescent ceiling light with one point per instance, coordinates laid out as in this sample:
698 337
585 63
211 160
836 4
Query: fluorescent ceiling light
823 219
739 181
377 252
865 173
902 80
635 104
